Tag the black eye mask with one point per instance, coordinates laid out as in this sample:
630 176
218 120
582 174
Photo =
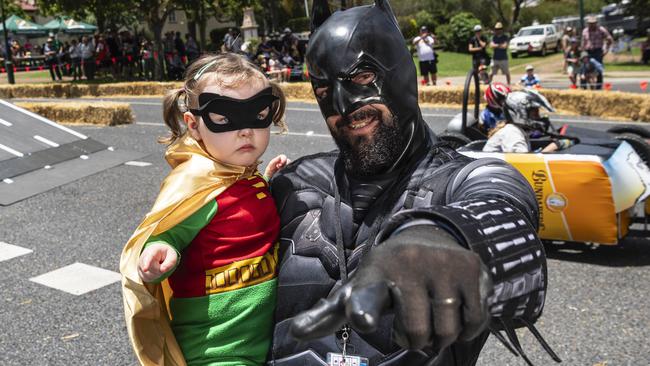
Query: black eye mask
238 113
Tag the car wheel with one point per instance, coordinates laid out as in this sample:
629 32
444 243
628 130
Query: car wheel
543 52
639 145
514 55
454 139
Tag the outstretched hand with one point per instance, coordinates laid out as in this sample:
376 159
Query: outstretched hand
275 165
437 291
155 261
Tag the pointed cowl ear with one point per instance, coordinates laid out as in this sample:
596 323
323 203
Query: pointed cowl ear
320 11
385 6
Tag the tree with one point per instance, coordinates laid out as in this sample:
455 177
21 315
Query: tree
507 11
106 13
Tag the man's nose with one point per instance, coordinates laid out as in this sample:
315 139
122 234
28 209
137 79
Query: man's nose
341 99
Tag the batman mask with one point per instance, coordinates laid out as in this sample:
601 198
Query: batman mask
237 114
358 57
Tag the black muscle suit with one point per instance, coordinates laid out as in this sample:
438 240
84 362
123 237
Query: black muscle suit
486 206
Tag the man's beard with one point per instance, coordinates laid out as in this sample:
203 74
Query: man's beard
363 156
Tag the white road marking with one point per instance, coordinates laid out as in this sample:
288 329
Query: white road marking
46 141
83 157
11 151
137 163
312 134
43 119
77 278
150 123
6 123
8 251
8 180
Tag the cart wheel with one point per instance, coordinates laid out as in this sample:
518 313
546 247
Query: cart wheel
638 144
637 130
454 139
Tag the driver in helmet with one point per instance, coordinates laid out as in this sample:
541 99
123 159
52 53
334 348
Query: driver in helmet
522 120
495 95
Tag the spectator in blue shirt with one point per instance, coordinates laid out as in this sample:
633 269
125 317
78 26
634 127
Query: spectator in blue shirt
530 80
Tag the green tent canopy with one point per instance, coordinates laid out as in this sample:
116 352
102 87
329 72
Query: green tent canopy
18 25
69 25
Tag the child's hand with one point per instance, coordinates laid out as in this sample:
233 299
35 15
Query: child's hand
156 260
275 165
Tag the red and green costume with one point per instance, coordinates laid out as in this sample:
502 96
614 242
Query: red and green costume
216 307
224 286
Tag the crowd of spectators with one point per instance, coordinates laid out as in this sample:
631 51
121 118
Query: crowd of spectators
125 56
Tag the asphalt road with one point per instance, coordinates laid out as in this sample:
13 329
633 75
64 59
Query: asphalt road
596 310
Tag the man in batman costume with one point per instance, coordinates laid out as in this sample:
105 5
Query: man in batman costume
395 248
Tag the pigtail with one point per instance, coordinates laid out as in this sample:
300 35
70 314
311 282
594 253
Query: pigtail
172 115
278 108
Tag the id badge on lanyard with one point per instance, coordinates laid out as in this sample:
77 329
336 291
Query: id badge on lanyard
344 359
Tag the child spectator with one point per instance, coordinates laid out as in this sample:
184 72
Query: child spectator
530 80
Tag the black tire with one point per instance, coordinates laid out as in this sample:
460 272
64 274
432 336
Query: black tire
454 139
636 130
514 55
638 144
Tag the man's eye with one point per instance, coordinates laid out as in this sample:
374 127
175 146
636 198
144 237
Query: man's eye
263 114
321 93
363 78
218 119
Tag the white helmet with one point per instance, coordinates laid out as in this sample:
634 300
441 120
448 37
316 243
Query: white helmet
522 108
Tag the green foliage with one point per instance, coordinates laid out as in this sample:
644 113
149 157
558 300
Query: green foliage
298 24
455 35
410 25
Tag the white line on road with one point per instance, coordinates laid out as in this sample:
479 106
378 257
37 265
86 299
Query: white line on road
137 163
46 141
3 122
43 119
8 251
11 151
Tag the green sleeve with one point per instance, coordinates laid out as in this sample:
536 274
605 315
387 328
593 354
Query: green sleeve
181 235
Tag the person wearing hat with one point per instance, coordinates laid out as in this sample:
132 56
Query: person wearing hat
569 33
572 59
290 45
500 56
477 48
530 80
591 72
51 51
596 40
427 55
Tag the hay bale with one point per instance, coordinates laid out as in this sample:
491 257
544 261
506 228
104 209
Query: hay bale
104 113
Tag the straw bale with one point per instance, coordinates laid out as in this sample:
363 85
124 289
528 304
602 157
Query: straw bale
99 113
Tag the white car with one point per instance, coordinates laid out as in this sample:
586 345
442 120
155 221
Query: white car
535 39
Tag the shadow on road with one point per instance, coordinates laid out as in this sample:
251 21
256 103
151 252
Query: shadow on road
630 253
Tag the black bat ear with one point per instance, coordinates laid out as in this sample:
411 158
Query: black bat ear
320 11
385 6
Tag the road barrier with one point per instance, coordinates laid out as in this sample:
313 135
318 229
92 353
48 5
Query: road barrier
606 104
95 113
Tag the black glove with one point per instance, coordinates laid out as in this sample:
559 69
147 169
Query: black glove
436 288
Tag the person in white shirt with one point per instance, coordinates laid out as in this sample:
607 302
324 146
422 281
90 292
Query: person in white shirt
75 57
428 63
88 57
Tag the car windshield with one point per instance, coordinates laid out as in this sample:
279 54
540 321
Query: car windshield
531 32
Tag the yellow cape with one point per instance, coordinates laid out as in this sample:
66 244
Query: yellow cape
196 178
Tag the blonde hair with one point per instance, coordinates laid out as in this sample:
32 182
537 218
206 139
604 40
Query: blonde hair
496 128
227 70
